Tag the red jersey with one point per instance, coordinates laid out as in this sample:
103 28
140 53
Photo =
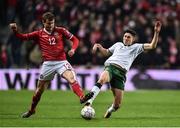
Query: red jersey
51 44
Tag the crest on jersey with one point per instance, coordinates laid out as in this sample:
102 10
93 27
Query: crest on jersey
56 34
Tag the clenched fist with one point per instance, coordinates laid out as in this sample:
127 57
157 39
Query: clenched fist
157 27
71 52
13 26
95 47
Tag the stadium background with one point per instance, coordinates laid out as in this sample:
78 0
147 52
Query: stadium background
93 21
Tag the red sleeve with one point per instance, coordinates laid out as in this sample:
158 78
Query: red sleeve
28 36
70 36
75 42
65 32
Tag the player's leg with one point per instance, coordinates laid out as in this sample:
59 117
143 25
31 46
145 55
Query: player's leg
117 87
118 97
66 71
46 75
41 86
69 75
104 78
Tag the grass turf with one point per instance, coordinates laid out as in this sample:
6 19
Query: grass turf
62 108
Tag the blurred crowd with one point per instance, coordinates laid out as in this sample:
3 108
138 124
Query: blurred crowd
92 21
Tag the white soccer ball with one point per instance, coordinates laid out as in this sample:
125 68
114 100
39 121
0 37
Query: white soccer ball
88 112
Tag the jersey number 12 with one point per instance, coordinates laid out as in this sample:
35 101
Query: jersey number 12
52 41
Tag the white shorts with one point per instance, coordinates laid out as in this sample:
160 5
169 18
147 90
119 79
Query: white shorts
50 68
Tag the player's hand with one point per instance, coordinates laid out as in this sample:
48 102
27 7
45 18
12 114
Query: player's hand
157 27
71 52
13 26
95 47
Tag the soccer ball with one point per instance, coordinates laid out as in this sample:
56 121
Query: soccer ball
88 112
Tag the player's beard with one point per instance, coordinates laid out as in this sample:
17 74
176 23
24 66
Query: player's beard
49 29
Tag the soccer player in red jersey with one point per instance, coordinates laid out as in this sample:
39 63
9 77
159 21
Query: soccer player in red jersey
50 41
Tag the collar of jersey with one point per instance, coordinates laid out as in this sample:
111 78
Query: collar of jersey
46 31
126 45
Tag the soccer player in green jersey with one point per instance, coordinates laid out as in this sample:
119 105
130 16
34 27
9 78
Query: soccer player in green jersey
121 56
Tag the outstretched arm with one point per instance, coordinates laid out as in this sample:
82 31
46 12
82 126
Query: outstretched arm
104 51
153 44
27 36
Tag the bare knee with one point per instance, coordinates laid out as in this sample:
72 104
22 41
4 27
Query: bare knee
102 81
42 85
71 80
104 78
69 76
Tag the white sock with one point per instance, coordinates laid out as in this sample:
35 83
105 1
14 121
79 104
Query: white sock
111 109
96 91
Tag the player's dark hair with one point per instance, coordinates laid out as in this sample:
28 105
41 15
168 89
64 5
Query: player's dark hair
48 16
132 32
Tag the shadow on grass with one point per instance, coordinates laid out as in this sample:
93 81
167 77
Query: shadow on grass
16 116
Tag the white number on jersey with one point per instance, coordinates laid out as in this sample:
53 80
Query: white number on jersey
52 41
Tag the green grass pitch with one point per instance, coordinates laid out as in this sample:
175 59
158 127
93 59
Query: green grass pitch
62 108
